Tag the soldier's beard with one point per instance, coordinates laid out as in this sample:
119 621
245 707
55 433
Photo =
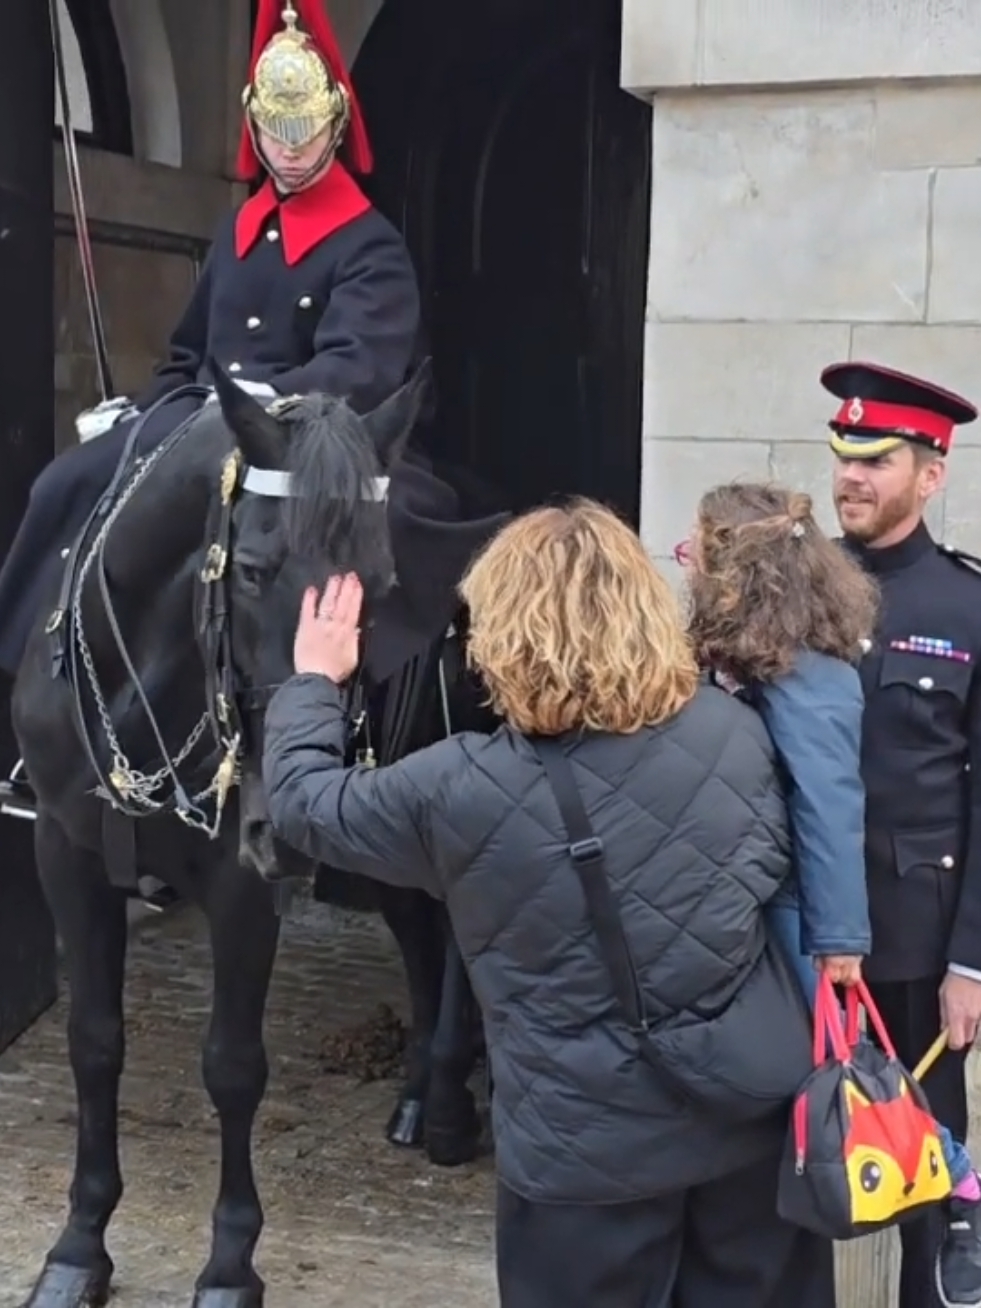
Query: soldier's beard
883 518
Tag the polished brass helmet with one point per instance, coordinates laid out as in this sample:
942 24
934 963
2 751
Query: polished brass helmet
293 95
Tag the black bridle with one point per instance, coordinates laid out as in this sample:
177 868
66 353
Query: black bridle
222 720
230 704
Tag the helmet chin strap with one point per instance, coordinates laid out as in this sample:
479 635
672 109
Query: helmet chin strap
326 157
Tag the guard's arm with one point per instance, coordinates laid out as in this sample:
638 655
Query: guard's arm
374 821
365 340
964 951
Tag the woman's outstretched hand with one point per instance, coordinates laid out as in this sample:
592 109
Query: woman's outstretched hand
327 634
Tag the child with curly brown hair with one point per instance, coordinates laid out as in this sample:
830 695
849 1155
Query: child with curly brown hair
779 615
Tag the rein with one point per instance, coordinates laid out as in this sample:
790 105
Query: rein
129 790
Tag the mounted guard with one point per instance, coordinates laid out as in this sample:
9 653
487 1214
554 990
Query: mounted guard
306 288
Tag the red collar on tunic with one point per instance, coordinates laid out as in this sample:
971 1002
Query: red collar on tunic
305 218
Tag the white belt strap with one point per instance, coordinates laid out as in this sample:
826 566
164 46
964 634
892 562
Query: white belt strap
278 485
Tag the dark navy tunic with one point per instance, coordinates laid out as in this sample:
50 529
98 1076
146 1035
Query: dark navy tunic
344 320
922 761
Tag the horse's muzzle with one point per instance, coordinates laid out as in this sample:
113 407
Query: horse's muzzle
256 843
257 848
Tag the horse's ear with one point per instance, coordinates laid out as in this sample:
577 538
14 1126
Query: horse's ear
259 436
391 424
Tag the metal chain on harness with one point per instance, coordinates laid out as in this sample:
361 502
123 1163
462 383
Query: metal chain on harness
134 787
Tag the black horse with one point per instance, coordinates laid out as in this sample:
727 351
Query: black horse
141 696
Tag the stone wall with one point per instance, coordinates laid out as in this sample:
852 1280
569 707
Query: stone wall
142 293
789 230
796 223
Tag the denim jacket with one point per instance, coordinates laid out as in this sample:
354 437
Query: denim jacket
814 717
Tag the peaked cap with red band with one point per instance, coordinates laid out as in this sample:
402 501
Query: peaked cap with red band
882 408
306 19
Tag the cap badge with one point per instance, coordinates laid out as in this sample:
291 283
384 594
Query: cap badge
856 411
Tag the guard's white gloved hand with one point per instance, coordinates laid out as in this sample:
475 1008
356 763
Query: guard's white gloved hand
96 422
258 390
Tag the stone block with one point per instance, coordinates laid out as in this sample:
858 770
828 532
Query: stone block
962 520
955 282
762 42
948 356
152 196
769 208
677 473
930 126
740 381
660 44
808 467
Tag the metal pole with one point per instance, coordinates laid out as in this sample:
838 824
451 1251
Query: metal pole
78 208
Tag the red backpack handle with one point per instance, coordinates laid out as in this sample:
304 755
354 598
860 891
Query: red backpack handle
828 1027
856 998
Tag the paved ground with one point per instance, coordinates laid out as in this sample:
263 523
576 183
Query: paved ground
350 1220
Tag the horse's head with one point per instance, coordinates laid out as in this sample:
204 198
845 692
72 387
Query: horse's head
303 497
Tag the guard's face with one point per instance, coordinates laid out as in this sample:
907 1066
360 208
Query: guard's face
296 168
880 500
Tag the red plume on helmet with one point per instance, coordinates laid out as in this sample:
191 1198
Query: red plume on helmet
355 150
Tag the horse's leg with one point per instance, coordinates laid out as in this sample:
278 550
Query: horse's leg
452 1126
90 916
415 926
244 935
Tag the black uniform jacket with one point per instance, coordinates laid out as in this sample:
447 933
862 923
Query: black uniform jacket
922 761
291 302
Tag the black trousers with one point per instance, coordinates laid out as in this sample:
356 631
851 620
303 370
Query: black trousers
719 1246
911 1012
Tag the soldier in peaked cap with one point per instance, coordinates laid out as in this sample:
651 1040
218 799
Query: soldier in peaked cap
921 764
306 288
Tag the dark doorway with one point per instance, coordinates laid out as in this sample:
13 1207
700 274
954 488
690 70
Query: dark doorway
27 956
520 174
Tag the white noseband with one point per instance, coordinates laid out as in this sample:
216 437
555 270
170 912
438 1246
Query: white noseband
279 485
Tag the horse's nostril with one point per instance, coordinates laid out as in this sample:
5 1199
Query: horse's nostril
257 830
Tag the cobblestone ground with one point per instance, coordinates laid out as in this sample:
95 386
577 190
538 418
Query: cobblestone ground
349 1219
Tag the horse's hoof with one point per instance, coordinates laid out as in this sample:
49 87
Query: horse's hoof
61 1286
249 1297
405 1126
452 1148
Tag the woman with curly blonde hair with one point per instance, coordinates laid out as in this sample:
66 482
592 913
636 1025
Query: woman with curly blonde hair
606 858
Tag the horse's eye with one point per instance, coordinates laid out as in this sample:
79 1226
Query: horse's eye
250 577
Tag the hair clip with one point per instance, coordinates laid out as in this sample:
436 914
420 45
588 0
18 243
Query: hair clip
797 530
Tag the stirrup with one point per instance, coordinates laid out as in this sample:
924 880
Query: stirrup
17 799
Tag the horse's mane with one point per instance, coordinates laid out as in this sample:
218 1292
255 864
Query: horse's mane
333 463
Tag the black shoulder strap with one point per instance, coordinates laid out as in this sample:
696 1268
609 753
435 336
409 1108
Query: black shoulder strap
588 857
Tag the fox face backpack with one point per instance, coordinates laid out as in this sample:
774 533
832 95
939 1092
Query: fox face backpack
863 1151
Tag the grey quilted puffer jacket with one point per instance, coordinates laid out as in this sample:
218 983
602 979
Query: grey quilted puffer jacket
697 841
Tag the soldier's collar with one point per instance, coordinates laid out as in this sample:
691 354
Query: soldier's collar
306 217
892 558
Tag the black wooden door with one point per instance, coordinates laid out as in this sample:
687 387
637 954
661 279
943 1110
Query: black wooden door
520 173
27 953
